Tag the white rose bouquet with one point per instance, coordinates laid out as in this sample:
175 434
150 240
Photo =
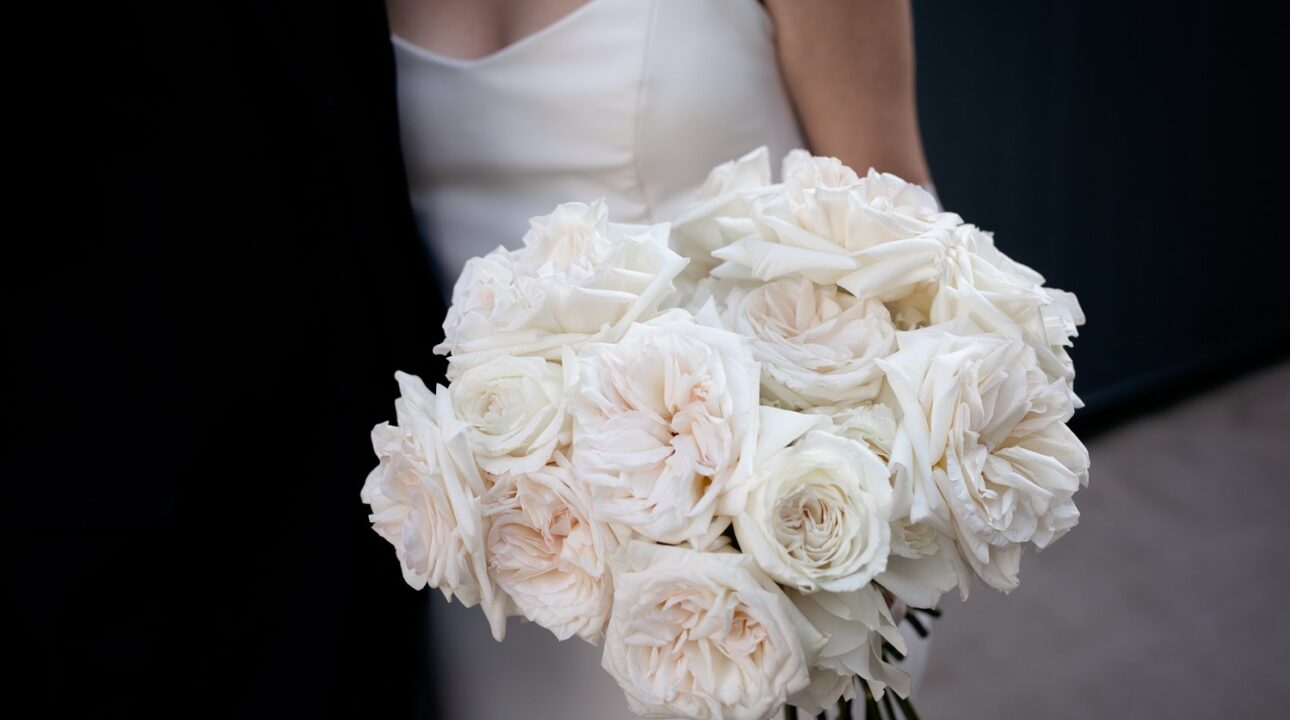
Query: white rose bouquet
739 448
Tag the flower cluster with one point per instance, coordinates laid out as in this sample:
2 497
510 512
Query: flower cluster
724 446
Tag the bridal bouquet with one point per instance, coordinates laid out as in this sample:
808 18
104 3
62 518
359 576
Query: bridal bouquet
737 448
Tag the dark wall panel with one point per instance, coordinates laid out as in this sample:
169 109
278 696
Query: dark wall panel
1127 151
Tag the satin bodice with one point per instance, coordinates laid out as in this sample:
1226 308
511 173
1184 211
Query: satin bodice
632 101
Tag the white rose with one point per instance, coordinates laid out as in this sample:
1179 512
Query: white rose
856 624
1047 325
665 423
492 309
548 553
578 277
425 498
1059 323
880 237
922 563
572 238
802 172
695 232
820 228
964 275
1005 297
703 635
515 409
992 463
816 344
694 298
873 425
819 512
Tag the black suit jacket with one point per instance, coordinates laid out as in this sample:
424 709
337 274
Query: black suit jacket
213 274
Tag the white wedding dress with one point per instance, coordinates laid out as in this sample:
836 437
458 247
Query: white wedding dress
633 101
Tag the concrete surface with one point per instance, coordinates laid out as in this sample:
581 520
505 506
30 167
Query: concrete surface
1170 598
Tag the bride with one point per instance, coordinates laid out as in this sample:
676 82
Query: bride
509 107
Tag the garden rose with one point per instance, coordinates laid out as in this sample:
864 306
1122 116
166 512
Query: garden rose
514 407
704 635
803 172
547 551
665 424
992 462
816 344
1007 298
578 276
856 623
819 512
696 232
825 230
425 499
921 564
959 273
873 425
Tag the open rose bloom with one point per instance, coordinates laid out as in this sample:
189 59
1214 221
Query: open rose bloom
736 449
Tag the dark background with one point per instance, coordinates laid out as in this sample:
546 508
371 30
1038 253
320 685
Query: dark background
212 274
1129 152
210 267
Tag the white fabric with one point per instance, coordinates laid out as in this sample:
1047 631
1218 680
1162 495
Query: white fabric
630 100
633 101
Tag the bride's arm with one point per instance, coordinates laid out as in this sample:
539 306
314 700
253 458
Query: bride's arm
849 67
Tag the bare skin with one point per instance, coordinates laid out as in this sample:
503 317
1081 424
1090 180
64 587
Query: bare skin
848 65
470 29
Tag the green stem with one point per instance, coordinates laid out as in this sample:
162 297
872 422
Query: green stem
870 706
916 624
906 708
890 650
886 704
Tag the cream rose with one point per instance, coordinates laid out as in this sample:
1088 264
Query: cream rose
959 273
873 425
1005 297
803 172
1059 321
816 344
425 499
819 512
821 226
921 565
578 276
704 635
992 463
514 407
548 553
696 231
856 623
665 424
